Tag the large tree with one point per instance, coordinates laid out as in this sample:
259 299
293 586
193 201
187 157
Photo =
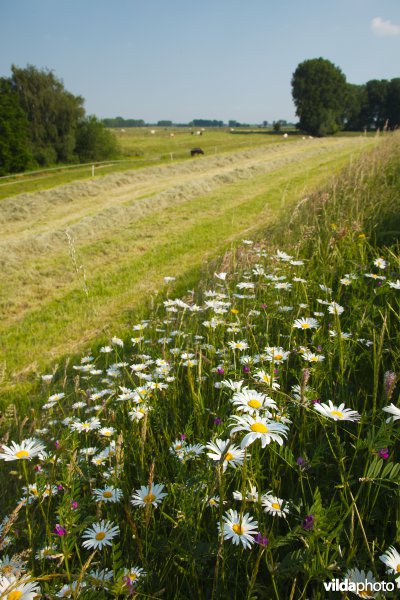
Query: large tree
14 132
53 113
319 92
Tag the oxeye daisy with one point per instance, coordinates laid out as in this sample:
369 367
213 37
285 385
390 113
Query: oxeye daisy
392 410
380 263
231 455
364 582
149 495
26 450
274 506
108 494
100 577
264 377
69 590
241 345
335 309
99 535
13 589
391 558
312 357
131 576
337 413
276 354
259 428
250 401
241 530
306 323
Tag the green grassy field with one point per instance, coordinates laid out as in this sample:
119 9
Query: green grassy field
76 259
140 149
239 442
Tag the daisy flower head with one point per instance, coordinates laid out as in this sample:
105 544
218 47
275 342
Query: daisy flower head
240 345
392 410
395 285
335 309
131 576
380 263
259 428
276 354
364 582
312 357
274 506
241 530
99 535
69 590
108 494
26 450
12 588
250 401
100 577
337 413
391 558
264 377
230 455
306 323
149 495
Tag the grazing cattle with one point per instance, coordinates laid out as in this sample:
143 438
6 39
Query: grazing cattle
196 152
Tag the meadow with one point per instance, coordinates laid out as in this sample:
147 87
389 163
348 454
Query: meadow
81 256
237 440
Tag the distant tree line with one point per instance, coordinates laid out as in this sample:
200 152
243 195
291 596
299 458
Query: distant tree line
326 103
41 124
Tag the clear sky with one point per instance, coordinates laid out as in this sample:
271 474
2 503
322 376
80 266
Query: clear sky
185 59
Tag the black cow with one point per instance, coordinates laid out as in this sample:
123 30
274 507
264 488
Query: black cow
196 152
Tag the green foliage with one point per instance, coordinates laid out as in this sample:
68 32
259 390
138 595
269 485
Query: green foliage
319 92
14 134
94 141
52 112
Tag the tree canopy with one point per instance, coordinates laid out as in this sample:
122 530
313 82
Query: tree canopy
325 102
41 123
319 92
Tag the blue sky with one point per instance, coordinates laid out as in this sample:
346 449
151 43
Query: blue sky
185 59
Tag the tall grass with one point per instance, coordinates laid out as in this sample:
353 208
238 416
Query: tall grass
325 501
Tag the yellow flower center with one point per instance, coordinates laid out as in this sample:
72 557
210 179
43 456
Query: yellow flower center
337 413
107 433
305 326
398 568
259 428
276 506
228 456
107 494
100 536
14 595
22 454
132 576
149 498
278 356
254 403
178 447
238 529
234 311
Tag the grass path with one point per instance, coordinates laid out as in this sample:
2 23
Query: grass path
130 232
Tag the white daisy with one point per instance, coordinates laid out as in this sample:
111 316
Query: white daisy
259 428
394 284
274 506
146 496
26 450
392 410
100 535
241 530
306 323
250 401
108 494
131 576
337 413
364 582
222 450
276 354
241 345
391 558
264 377
12 588
380 263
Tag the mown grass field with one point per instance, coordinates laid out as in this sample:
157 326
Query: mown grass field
140 149
76 259
240 442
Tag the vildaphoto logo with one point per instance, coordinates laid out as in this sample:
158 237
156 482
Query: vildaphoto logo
346 585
